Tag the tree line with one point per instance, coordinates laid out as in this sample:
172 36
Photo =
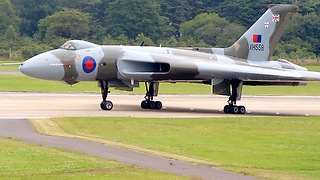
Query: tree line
29 27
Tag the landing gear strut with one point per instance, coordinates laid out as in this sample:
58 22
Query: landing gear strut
148 103
232 108
105 104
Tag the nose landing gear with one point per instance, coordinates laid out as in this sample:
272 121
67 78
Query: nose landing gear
105 104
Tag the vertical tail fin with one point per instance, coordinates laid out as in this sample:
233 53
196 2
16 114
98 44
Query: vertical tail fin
259 41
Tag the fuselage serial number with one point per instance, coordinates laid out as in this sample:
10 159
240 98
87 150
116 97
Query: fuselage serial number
256 47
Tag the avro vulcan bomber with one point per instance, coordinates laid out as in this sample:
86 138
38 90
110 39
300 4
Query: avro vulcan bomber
227 70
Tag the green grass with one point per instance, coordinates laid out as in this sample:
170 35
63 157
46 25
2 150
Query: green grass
26 84
24 161
269 147
14 68
313 67
8 69
6 59
312 89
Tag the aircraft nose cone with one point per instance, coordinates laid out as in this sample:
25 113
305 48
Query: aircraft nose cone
44 66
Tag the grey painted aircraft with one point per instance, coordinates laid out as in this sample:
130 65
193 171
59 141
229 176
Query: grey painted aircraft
246 62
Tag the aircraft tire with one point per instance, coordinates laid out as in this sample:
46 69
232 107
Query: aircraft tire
152 105
158 105
226 109
242 110
144 104
106 105
234 109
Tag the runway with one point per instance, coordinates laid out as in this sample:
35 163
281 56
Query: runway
34 105
15 107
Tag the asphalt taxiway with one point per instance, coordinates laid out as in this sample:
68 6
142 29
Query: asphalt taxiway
22 130
16 107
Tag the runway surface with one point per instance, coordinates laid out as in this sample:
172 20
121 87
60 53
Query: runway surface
59 105
15 107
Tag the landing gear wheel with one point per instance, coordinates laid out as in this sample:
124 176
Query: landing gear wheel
242 110
106 105
144 104
152 105
158 104
234 109
226 109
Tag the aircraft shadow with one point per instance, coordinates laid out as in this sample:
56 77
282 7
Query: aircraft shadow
201 111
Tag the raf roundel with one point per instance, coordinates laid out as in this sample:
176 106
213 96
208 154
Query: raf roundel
88 64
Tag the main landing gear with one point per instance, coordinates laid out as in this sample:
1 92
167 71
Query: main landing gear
105 104
232 108
148 103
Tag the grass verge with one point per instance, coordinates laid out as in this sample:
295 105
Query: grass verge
268 147
24 161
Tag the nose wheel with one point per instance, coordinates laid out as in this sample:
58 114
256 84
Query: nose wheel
148 103
105 104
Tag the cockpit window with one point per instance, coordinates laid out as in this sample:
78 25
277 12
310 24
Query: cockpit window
69 45
77 45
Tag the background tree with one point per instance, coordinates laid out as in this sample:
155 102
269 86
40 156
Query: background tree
202 6
7 15
212 29
309 6
177 11
245 12
146 40
96 9
30 48
31 11
124 40
301 37
69 24
230 34
134 17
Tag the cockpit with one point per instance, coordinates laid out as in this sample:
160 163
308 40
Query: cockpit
77 45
